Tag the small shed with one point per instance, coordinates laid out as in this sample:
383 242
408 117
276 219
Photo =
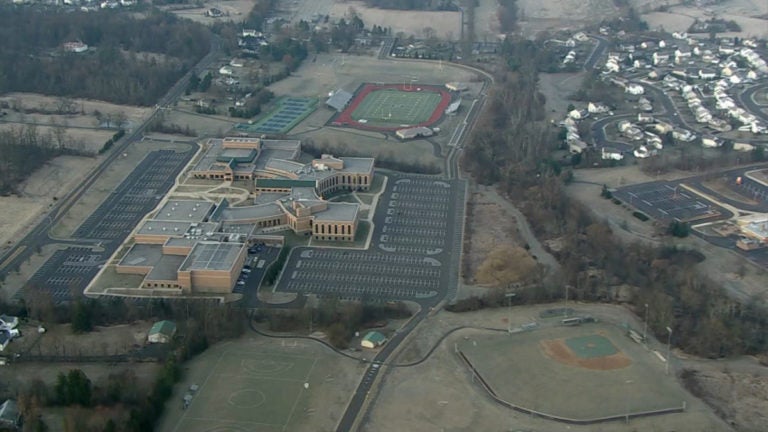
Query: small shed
373 339
162 332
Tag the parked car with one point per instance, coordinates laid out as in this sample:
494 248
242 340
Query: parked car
240 283
246 271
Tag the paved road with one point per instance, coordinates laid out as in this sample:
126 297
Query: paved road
747 99
38 236
597 53
362 392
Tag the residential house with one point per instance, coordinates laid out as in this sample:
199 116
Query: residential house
607 153
634 89
707 74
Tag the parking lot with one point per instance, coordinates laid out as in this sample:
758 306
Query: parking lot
66 271
668 201
70 270
410 255
136 196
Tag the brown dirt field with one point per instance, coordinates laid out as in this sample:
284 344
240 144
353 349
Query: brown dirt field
719 186
133 114
557 350
55 178
445 24
490 227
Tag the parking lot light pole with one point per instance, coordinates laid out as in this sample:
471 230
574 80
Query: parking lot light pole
626 400
509 310
645 327
669 343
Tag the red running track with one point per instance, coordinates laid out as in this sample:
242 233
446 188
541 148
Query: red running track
345 117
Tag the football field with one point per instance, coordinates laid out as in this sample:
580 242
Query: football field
396 107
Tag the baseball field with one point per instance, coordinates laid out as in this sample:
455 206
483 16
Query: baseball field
585 372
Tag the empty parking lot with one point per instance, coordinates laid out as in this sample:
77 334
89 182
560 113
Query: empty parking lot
412 246
136 196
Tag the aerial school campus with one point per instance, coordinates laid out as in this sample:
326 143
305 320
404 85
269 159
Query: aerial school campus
296 210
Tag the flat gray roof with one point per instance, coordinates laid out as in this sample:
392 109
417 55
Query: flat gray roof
145 255
251 212
210 155
268 154
180 241
233 228
167 268
212 256
185 210
164 227
340 212
284 165
268 197
357 164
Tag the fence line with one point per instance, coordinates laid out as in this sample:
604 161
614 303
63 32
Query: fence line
625 416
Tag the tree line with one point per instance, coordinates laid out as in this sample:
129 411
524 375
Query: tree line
511 147
25 149
132 60
119 402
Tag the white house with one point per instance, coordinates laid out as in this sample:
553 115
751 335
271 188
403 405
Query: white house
611 154
645 118
597 108
707 74
225 70
577 146
634 89
711 142
743 147
641 152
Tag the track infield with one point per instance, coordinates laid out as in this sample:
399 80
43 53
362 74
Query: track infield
250 391
394 106
520 370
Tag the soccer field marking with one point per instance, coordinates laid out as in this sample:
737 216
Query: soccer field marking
202 387
235 422
254 376
298 396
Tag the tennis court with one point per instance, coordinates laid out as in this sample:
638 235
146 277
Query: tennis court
289 112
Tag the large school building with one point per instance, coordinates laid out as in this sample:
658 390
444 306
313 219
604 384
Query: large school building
190 246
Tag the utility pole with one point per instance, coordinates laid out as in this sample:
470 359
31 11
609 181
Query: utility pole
509 310
645 327
669 343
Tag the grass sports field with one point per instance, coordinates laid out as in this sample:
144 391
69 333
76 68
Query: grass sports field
585 372
391 106
394 106
249 391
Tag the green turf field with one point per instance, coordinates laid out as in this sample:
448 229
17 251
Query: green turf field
391 106
249 391
591 346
